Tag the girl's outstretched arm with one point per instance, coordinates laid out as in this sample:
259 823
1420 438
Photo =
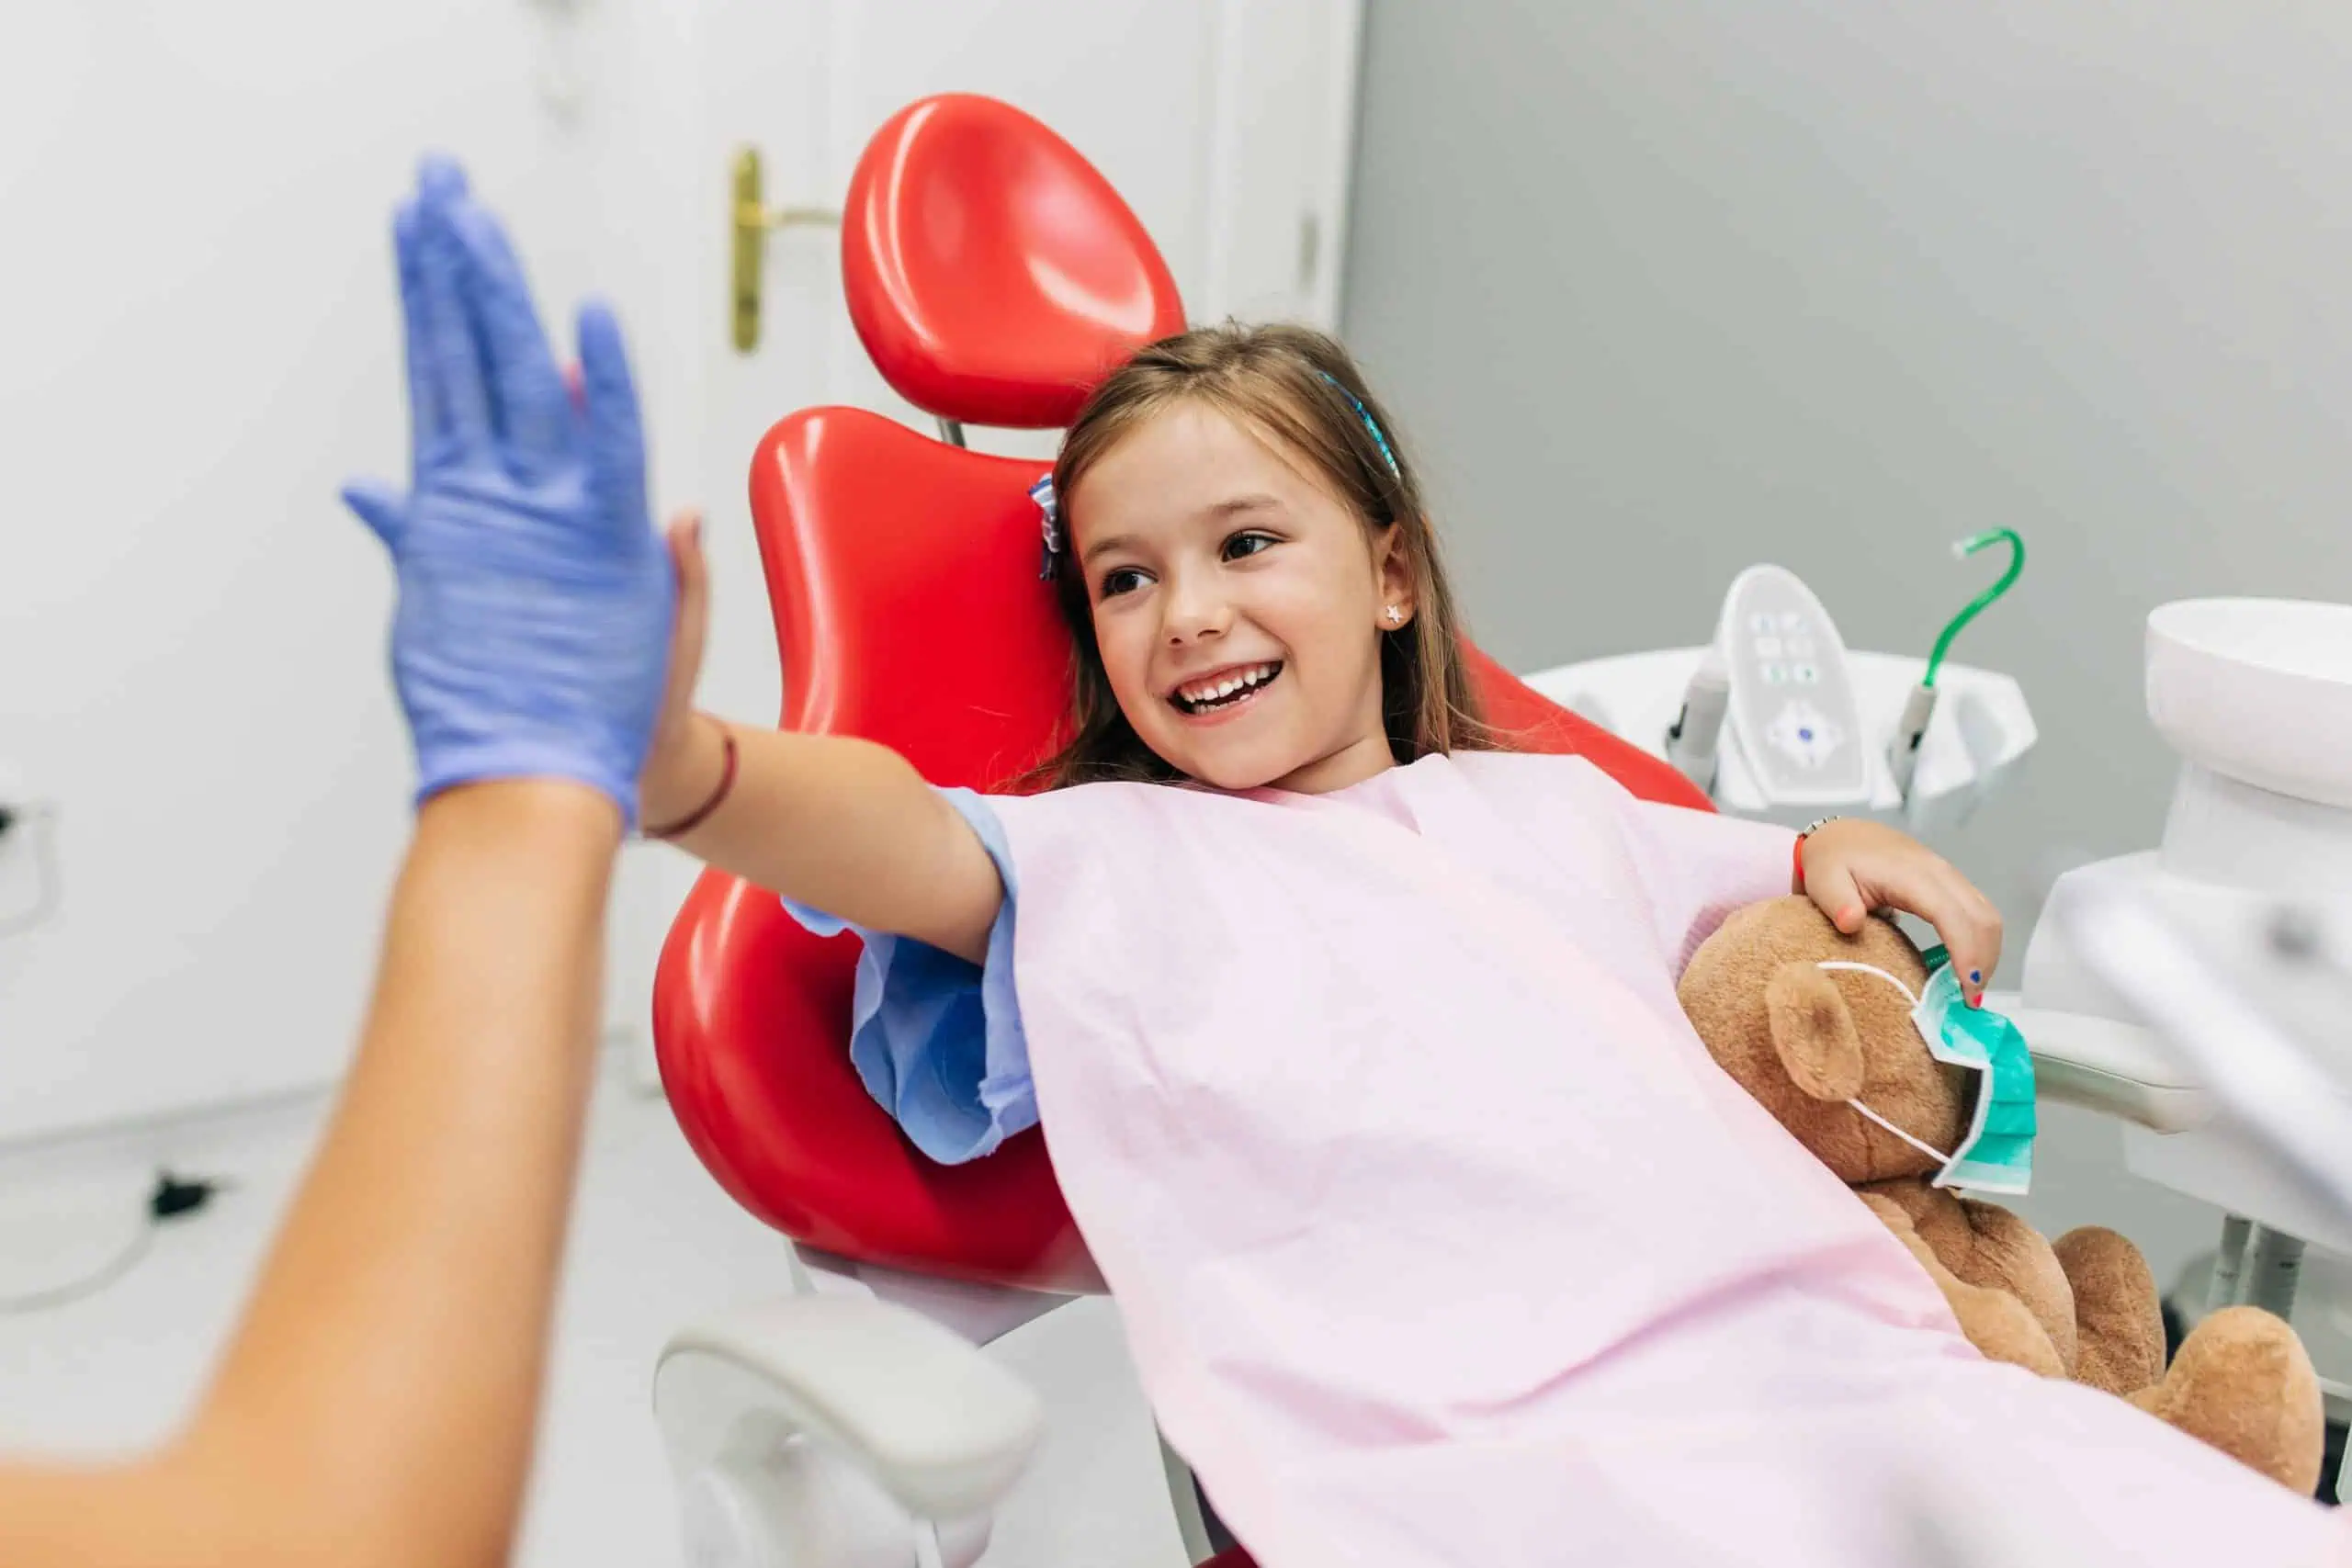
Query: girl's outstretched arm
841 825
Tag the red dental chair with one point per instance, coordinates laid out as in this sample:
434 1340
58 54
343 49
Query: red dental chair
994 277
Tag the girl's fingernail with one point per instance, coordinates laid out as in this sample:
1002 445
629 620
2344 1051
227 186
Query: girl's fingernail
1977 1000
1975 976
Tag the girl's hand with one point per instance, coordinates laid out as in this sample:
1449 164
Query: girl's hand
684 763
1852 867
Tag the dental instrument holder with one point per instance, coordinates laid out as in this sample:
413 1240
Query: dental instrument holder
1694 741
1807 725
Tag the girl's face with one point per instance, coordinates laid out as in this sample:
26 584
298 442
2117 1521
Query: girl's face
1238 605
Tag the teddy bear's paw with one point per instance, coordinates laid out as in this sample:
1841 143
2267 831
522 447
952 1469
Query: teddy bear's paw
2242 1383
2118 1319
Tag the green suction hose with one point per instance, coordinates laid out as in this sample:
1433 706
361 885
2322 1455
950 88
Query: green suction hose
1903 750
1983 601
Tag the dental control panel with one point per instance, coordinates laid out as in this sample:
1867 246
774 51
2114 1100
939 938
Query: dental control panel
1778 720
1792 701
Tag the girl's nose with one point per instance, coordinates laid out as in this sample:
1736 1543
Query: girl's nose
1194 610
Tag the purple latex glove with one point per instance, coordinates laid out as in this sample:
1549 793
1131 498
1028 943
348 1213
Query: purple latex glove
535 598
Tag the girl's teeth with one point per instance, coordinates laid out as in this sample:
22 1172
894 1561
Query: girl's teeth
1221 690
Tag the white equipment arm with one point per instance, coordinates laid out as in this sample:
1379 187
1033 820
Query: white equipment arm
2100 1063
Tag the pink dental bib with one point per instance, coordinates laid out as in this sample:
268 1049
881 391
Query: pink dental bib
1438 1237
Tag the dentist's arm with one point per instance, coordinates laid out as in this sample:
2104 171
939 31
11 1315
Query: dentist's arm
377 1406
376 1409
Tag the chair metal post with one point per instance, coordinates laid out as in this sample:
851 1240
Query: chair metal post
2229 1264
2274 1267
952 430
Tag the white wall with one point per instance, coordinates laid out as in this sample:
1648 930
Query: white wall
1659 291
196 305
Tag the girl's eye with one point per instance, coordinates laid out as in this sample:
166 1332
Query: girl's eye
1242 545
1126 579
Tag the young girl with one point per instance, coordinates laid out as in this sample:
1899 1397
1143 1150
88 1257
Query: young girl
1437 1235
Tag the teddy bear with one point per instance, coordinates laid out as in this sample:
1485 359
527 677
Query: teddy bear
1808 1042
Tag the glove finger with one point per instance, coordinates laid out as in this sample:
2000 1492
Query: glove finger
616 431
528 405
381 507
428 411
447 337
440 177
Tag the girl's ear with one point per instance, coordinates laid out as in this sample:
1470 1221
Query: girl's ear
1396 573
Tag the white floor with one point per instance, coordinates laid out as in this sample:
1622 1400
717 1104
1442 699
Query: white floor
654 1243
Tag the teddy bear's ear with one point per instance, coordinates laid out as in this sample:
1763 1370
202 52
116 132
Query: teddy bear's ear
1814 1032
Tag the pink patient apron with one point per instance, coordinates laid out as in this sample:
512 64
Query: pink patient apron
1439 1239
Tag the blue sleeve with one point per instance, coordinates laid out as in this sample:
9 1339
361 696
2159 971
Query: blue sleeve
935 1040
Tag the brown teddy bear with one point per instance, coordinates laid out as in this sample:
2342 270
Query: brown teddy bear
1806 1041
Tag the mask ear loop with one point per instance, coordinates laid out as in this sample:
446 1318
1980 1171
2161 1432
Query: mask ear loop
1909 995
1920 1143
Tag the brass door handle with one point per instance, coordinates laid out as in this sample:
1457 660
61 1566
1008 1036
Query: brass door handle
749 219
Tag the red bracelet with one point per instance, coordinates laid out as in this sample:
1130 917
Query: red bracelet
1803 838
702 813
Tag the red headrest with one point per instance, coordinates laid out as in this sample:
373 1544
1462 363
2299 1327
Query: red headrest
993 275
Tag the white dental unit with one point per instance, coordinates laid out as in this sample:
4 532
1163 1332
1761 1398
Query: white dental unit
2253 879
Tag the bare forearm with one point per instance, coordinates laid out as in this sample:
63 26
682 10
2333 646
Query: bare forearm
377 1406
840 824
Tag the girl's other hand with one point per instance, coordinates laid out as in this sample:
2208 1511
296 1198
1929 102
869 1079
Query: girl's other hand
1852 867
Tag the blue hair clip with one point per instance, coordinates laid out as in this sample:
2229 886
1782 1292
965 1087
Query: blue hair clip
1370 423
1050 513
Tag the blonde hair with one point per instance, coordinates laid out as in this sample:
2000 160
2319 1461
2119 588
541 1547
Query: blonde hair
1299 387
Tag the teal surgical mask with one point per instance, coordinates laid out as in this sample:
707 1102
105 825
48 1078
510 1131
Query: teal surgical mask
1996 1154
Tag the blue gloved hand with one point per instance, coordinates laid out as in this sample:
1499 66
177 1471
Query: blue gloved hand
535 598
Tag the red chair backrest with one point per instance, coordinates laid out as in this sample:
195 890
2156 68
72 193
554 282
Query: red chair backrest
903 574
993 274
903 577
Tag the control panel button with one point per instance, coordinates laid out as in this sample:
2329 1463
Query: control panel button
1804 734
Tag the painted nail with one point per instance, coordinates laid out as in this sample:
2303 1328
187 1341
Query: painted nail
1975 976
